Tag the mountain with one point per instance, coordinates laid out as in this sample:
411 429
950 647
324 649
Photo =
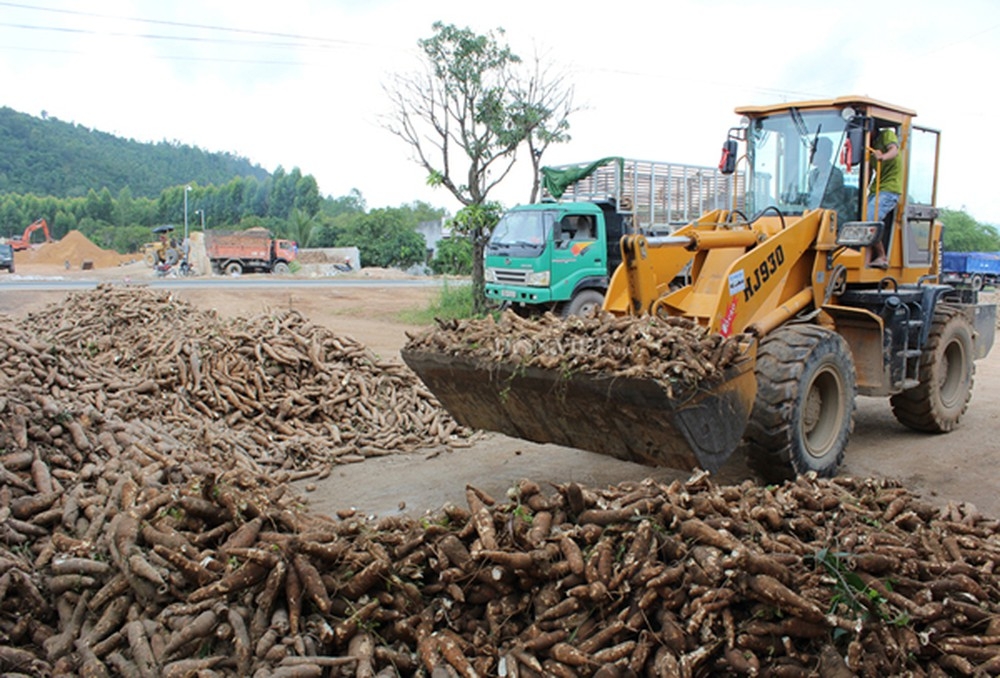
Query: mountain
51 157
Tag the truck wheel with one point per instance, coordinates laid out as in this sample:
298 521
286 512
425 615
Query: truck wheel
281 268
585 302
977 282
938 402
234 268
804 412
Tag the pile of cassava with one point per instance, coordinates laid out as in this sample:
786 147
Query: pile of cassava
139 540
675 351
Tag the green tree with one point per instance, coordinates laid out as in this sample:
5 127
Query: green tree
385 238
467 114
476 222
453 256
307 198
352 203
300 227
962 233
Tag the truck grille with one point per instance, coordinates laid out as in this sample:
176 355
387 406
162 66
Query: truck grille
511 276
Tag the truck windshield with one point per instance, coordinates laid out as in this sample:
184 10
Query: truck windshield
527 230
795 164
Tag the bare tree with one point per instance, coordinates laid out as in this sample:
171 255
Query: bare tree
466 115
543 103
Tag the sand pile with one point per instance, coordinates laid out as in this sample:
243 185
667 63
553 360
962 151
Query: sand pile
75 248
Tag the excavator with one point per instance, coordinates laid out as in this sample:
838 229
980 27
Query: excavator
790 274
23 242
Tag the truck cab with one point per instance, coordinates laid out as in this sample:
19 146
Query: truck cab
558 255
553 256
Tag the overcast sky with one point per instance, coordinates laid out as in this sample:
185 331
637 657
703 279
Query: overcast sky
298 83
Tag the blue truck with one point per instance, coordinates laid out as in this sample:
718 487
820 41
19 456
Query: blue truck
970 269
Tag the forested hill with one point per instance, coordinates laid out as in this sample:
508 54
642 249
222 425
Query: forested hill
51 157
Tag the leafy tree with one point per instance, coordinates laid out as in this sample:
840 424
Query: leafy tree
962 233
352 203
453 256
300 227
476 222
467 114
307 198
385 237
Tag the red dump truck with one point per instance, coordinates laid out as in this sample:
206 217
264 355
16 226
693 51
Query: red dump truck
249 251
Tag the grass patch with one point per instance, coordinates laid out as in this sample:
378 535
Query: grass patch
452 301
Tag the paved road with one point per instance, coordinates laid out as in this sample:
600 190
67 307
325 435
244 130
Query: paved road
53 284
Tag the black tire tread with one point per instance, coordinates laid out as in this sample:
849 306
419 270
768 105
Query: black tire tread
780 365
916 408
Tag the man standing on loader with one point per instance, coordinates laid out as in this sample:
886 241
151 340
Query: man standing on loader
887 184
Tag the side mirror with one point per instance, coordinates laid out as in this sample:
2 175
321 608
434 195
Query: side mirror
854 145
859 233
727 164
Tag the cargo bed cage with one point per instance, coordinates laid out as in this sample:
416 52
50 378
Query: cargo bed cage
659 196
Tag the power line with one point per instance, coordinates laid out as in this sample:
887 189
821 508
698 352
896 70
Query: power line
256 62
181 24
153 36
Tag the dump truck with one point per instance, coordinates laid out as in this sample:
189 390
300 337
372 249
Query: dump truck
789 278
249 251
971 269
558 255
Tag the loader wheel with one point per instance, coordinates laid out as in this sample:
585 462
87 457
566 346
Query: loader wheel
150 259
804 411
937 403
584 303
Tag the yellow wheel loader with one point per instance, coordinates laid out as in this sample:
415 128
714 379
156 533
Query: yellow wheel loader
789 273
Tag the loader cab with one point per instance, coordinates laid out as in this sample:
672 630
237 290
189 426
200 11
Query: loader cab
797 164
815 155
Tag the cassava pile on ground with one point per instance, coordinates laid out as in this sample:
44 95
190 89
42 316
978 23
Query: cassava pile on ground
130 563
289 393
675 351
138 547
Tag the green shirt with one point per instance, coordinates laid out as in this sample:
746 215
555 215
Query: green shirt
891 180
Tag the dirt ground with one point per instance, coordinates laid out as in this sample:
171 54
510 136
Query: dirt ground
959 466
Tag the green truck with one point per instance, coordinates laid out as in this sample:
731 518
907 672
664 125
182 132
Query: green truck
558 254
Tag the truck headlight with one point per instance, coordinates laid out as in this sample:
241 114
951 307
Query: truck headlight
538 279
490 275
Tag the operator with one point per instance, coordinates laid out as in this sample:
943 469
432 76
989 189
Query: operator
826 178
886 185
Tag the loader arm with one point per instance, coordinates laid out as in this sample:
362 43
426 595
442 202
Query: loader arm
744 277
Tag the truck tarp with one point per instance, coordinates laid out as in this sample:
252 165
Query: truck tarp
556 181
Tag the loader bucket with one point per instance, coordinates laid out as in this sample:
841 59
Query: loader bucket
629 418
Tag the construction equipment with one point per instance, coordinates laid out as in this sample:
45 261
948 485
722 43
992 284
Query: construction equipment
789 277
558 255
23 242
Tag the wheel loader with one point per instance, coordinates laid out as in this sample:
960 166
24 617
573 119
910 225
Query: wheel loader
787 273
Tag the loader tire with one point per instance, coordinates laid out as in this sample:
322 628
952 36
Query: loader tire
937 403
804 412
